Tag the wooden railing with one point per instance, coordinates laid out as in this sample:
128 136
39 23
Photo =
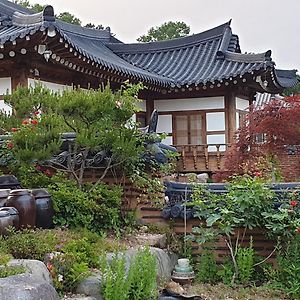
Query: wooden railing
201 158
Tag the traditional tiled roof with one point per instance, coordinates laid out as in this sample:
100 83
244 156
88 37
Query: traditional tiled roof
213 56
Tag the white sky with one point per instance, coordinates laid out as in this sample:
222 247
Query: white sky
260 24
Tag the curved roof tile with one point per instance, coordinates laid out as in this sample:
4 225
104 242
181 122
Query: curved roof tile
213 55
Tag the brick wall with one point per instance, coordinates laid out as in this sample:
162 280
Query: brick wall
289 165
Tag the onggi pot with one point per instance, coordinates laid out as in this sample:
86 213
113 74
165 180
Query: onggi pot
24 202
5 222
44 208
3 196
13 212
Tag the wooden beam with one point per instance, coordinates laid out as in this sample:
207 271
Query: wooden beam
149 110
230 117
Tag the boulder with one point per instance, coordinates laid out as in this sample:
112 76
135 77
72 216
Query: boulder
153 240
35 268
91 286
164 264
78 297
26 287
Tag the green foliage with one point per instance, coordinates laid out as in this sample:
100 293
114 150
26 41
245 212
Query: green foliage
245 263
246 205
138 284
83 250
99 118
115 284
287 276
207 270
6 270
285 220
166 31
67 271
30 244
226 272
95 210
69 18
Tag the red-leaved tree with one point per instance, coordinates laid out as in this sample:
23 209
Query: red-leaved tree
266 135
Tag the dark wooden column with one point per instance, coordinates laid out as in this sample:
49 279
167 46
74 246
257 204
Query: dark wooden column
149 110
19 78
230 116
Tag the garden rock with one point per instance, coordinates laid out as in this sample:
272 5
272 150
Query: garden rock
35 268
153 240
164 263
26 287
91 286
78 297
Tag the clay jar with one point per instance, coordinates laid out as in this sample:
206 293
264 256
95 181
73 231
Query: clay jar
13 212
3 196
44 208
5 222
24 202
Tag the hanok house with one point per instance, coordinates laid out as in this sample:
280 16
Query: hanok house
201 85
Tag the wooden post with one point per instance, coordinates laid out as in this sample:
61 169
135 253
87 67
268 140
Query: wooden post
230 117
20 78
149 110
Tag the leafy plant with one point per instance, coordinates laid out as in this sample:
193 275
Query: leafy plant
288 274
226 271
138 284
30 244
96 210
207 269
245 263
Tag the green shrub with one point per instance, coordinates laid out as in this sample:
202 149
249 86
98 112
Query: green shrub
245 263
226 272
83 250
140 282
6 270
288 273
95 210
67 271
207 269
142 276
30 244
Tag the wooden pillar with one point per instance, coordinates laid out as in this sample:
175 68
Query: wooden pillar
230 116
19 78
149 110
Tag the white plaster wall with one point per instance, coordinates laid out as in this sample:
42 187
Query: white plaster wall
237 121
5 85
215 121
142 105
216 139
168 140
241 104
164 124
55 87
6 108
189 104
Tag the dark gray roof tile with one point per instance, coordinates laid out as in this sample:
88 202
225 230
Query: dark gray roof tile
210 56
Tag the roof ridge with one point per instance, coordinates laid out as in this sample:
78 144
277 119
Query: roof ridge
249 57
26 20
166 45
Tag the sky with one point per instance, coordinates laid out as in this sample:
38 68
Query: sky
260 24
